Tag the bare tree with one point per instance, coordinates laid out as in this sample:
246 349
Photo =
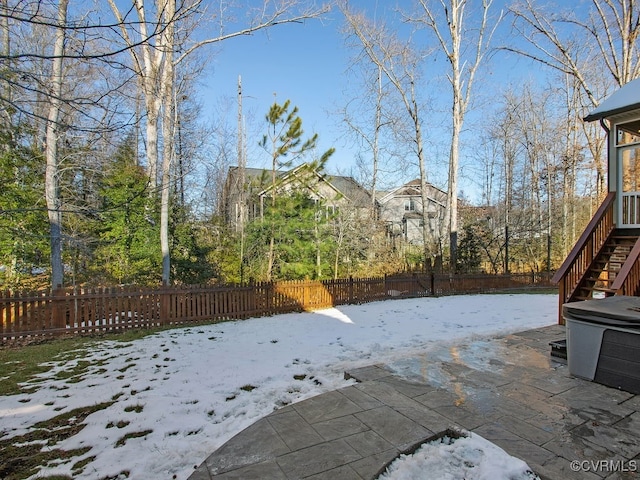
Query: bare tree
399 64
454 36
541 168
52 189
603 40
154 64
361 127
371 120
612 27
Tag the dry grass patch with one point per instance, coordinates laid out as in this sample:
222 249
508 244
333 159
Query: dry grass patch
22 456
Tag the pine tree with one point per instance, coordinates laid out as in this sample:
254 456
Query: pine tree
469 251
129 223
24 246
284 143
298 224
190 251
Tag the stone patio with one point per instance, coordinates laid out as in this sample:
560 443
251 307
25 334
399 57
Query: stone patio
508 390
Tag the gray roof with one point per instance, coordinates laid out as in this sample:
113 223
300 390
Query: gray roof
623 100
351 189
412 189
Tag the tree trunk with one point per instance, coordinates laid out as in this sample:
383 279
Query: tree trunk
167 87
52 187
153 116
452 191
423 188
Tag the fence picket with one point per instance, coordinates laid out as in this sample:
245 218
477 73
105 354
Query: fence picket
88 310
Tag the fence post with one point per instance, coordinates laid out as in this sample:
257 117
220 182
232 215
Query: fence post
252 303
350 289
432 281
385 288
58 310
164 304
4 312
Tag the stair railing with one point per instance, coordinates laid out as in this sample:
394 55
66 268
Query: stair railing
577 264
627 281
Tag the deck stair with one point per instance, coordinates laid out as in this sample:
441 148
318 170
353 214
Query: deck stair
598 280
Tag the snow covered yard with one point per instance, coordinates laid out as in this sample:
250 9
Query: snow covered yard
160 405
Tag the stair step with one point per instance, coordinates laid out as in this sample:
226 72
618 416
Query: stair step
632 238
595 276
587 292
602 289
603 270
618 245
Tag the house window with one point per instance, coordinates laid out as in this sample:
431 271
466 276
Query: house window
628 133
409 205
628 170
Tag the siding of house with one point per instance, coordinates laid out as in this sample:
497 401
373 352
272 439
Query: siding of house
335 192
401 211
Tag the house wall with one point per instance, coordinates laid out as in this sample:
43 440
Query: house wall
318 187
413 231
402 212
396 216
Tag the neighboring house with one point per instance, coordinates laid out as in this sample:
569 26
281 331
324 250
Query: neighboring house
335 192
401 211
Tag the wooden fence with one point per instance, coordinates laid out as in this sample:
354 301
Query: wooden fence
98 310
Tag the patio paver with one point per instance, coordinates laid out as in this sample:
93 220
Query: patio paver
507 390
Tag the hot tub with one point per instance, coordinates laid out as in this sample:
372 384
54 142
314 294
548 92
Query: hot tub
603 341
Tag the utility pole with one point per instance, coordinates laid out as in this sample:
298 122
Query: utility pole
241 180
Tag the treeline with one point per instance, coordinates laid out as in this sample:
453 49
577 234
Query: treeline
109 175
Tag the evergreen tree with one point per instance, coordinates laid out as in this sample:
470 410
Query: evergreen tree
301 249
24 246
190 251
128 223
284 143
469 251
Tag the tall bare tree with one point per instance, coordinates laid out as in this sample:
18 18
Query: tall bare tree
154 62
368 119
399 63
52 175
455 32
583 43
610 29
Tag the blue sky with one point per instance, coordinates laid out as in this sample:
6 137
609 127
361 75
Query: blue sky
299 62
306 64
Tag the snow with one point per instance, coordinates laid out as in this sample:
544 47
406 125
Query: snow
624 99
192 389
469 456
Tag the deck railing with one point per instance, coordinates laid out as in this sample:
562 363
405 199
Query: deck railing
630 209
98 310
627 281
579 261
